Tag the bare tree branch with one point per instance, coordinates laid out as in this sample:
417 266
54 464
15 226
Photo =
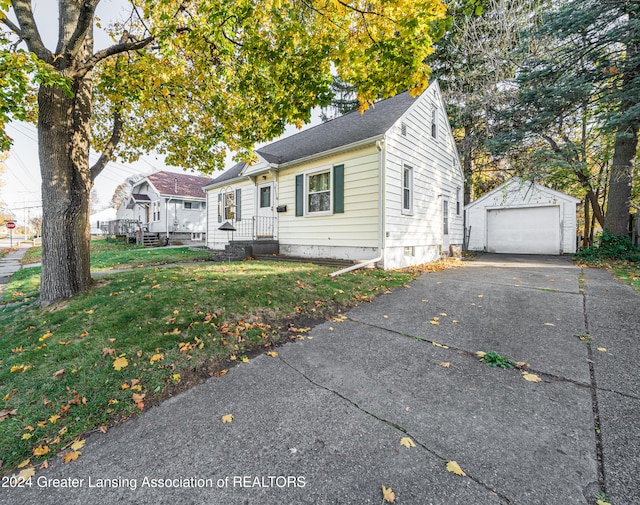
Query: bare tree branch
110 148
13 27
119 48
29 31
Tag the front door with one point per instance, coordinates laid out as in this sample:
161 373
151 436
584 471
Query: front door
445 227
265 220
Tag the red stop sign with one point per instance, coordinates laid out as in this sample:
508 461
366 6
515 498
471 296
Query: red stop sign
11 225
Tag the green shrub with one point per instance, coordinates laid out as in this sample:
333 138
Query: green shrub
611 247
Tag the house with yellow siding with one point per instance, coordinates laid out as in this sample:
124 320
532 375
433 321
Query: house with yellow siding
383 187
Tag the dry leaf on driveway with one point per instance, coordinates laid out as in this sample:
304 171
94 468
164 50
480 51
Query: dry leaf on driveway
454 467
407 442
531 377
70 456
388 495
227 418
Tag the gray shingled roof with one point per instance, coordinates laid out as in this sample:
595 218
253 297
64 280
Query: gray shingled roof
339 132
232 173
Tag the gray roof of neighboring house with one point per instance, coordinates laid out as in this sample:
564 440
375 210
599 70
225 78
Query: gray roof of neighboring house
338 132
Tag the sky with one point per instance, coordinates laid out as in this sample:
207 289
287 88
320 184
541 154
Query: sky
20 190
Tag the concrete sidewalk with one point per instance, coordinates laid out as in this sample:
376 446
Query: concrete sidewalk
322 422
10 264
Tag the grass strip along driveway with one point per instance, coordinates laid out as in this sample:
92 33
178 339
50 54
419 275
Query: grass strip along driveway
142 335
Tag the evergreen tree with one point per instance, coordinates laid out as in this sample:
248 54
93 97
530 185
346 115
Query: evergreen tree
583 75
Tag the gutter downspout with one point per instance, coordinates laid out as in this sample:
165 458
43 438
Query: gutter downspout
381 214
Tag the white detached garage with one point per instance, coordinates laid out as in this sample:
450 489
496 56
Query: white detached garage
521 217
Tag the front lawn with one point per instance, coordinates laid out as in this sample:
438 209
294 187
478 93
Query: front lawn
140 336
98 245
25 283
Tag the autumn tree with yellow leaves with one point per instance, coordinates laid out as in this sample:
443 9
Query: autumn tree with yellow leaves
188 79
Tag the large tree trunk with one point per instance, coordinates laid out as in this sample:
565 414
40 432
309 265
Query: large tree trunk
621 176
64 133
66 185
616 219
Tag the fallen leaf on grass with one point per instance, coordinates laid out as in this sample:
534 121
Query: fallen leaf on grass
4 414
155 358
227 418
137 399
388 495
58 373
41 450
108 351
531 377
120 363
20 368
407 442
70 456
454 467
26 436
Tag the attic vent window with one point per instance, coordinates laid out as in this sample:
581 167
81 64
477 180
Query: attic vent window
434 123
403 129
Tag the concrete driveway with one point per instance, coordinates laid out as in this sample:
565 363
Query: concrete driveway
322 423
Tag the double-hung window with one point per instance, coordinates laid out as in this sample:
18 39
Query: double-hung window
319 190
407 189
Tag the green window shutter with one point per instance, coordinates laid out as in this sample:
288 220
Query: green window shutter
238 203
300 195
338 189
220 208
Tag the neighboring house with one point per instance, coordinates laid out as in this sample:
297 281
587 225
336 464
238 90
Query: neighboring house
100 221
384 186
168 204
521 217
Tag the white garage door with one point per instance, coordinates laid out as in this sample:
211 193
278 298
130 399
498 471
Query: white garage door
530 230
